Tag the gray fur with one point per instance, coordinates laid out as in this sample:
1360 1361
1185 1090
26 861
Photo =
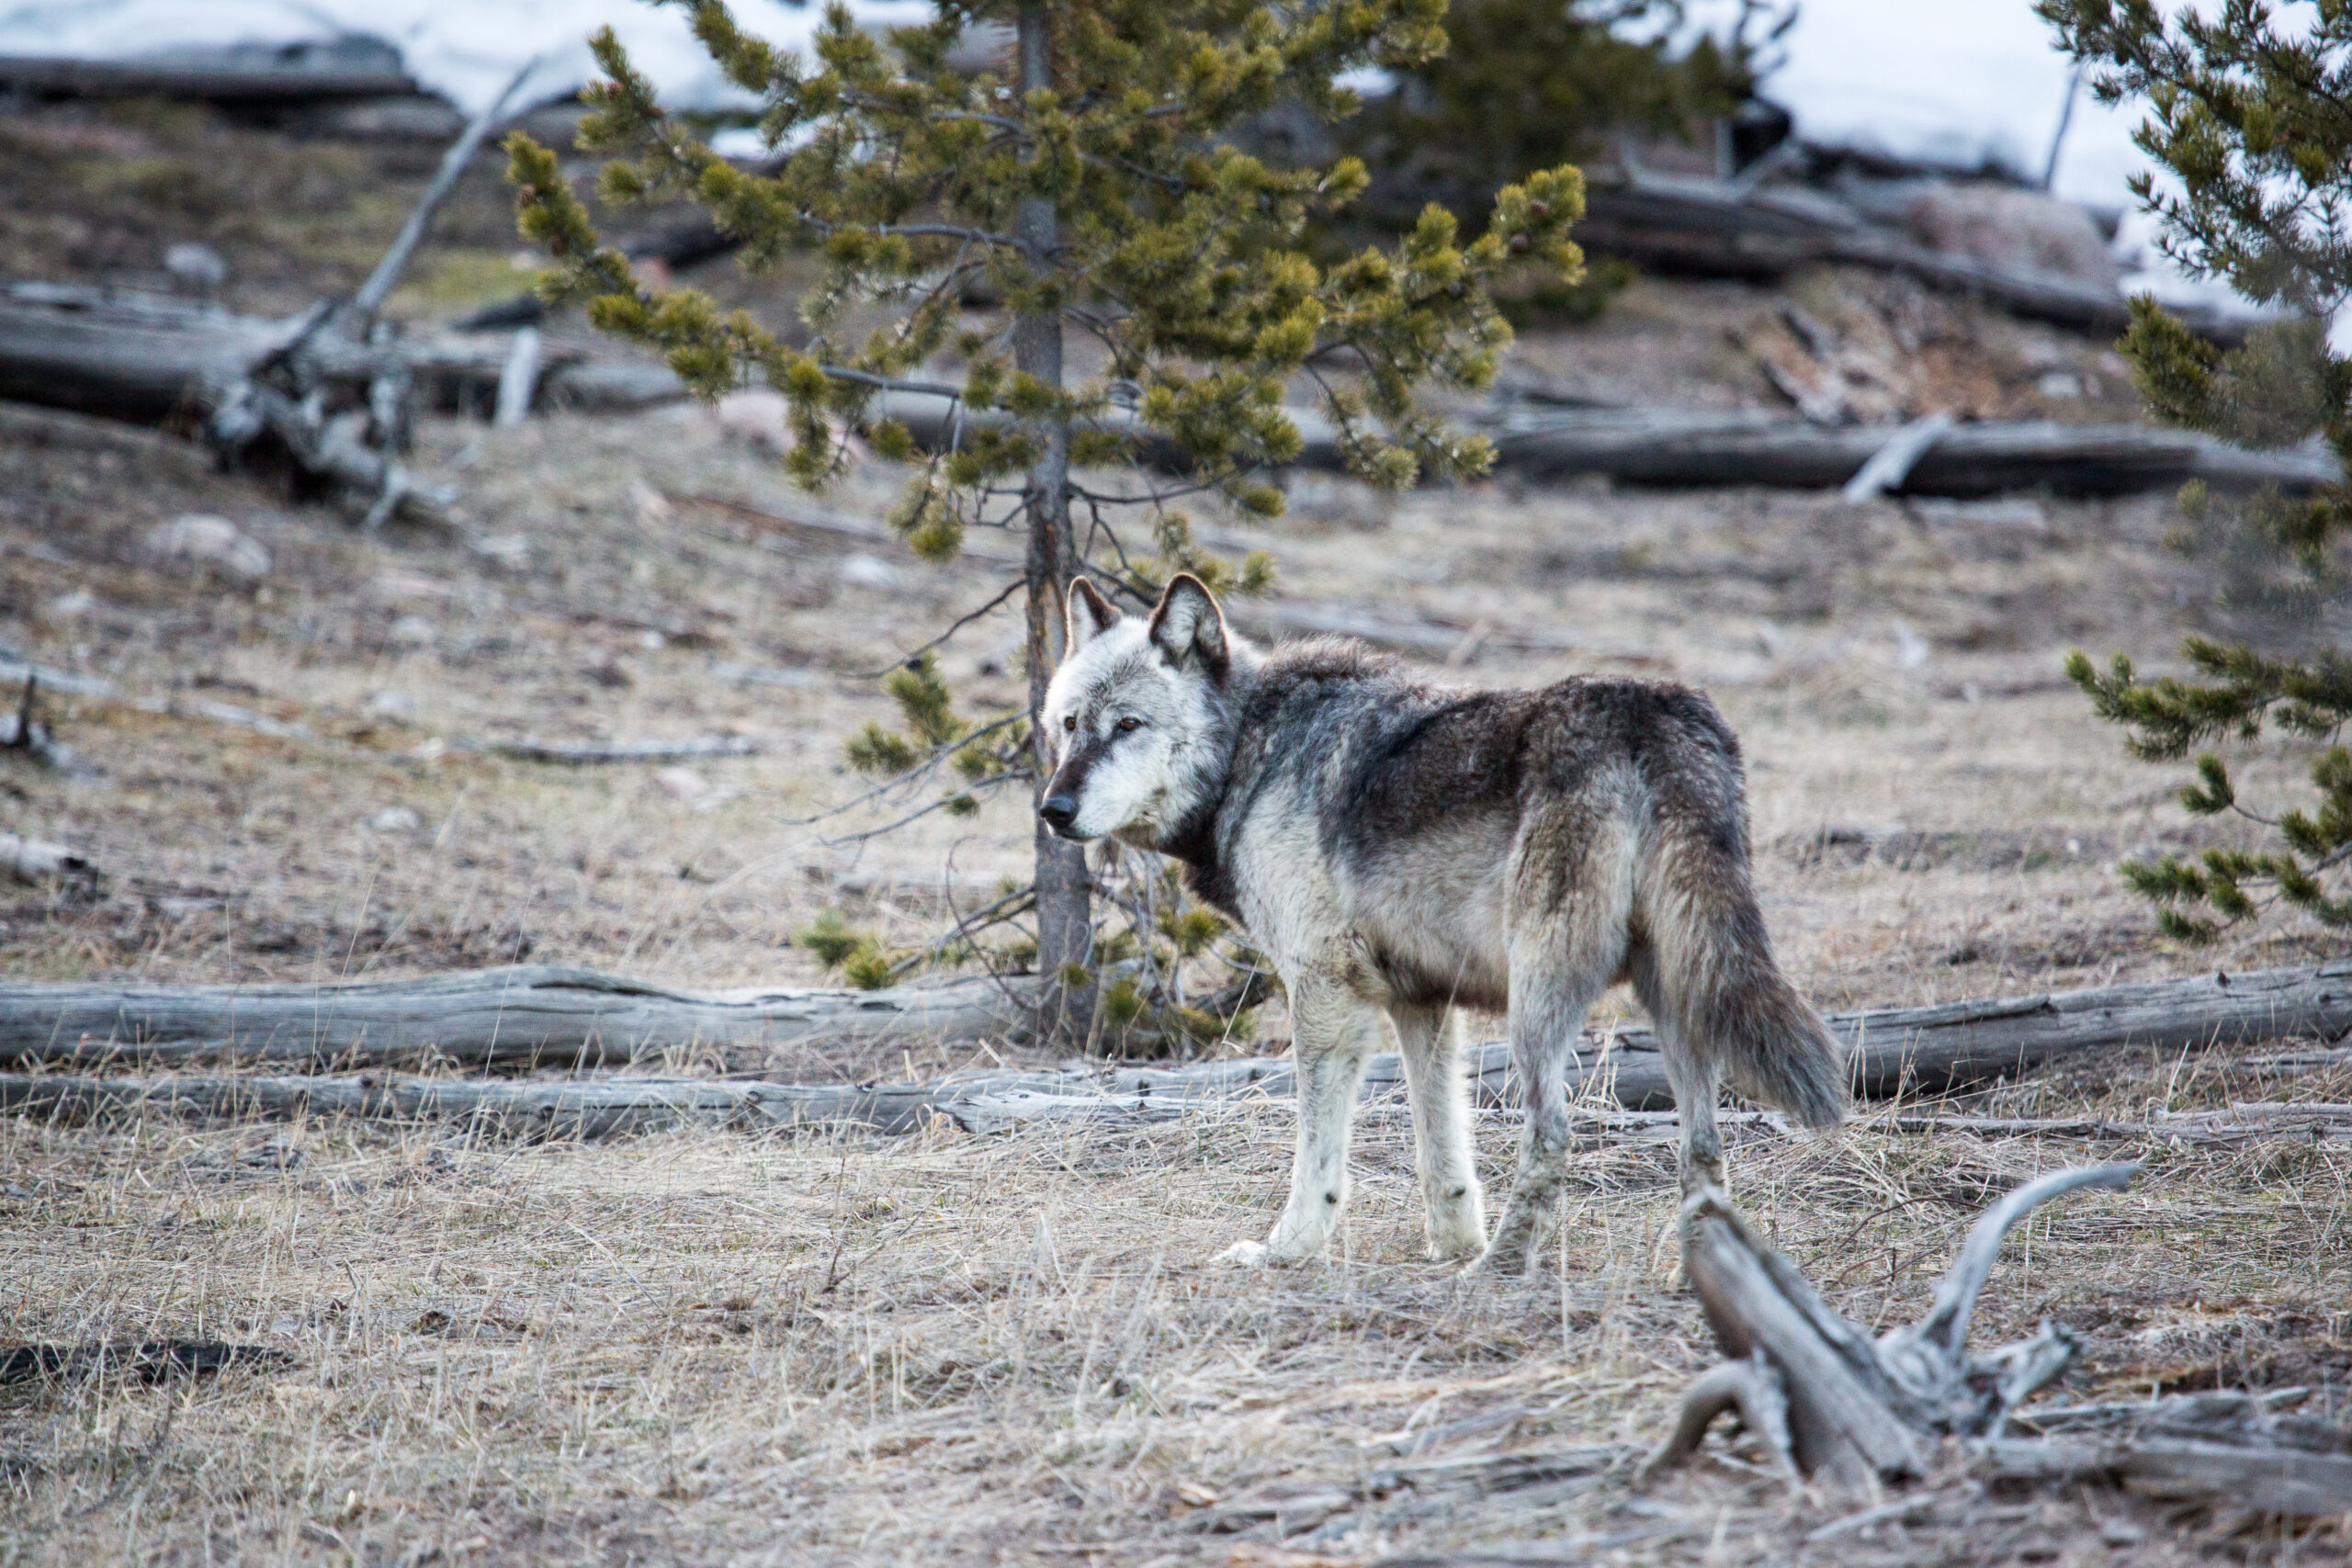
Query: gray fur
1400 849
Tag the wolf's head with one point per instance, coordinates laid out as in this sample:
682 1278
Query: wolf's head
1138 713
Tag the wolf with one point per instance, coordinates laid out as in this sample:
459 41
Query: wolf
1401 850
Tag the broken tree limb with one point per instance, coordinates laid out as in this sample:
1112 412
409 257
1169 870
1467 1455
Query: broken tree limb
554 1014
454 164
1892 464
1860 1413
519 382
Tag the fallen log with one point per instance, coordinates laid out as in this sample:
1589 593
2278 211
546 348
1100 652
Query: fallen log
556 1015
1677 447
238 75
521 1015
1667 447
1827 1401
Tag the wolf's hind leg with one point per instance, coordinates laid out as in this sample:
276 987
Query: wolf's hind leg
1454 1210
1691 1073
1546 1016
1573 896
1334 1033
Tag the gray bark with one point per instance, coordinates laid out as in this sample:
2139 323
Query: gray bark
1656 446
556 1015
522 1015
1065 919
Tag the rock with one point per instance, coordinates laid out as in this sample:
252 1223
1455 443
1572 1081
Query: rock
70 606
862 570
505 549
196 269
198 540
2017 230
681 784
415 631
653 509
1911 649
395 820
388 702
755 414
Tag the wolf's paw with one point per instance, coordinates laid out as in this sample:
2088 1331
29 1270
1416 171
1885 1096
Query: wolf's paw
1493 1265
1463 1249
1247 1255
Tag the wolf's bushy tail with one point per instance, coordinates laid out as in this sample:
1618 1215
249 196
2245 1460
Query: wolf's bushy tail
1727 996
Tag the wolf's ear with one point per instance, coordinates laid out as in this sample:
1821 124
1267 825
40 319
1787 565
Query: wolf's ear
1188 625
1086 615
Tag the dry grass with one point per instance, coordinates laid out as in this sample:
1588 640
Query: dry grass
713 1349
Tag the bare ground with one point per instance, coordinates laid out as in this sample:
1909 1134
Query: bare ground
719 1349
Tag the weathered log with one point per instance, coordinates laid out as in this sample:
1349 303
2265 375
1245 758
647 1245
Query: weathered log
1687 448
520 1015
238 75
551 1014
1653 447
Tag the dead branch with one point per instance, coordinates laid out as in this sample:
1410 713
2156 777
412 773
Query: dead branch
454 164
1842 1408
23 731
1859 1413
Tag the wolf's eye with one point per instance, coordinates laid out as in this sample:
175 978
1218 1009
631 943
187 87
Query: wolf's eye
1128 725
1069 724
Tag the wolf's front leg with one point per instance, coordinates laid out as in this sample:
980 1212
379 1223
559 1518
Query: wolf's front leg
1454 1210
1334 1033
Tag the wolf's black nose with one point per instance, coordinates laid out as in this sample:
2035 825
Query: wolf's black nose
1058 810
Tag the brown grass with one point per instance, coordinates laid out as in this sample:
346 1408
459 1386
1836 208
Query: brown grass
714 1348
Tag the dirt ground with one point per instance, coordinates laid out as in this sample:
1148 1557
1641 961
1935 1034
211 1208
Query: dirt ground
719 1349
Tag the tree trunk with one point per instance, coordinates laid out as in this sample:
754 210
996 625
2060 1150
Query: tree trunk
1065 923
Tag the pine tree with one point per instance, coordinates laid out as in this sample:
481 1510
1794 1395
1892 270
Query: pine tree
1527 84
2247 109
1067 158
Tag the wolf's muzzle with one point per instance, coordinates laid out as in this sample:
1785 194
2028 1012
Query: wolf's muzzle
1060 811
